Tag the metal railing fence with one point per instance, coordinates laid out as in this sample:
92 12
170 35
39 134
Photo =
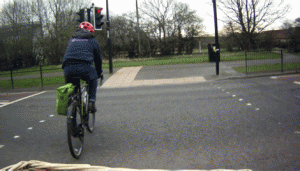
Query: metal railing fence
270 61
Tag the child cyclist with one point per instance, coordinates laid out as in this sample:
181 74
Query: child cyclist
82 51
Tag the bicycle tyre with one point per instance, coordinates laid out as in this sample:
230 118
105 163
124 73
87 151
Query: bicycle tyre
90 118
91 122
75 130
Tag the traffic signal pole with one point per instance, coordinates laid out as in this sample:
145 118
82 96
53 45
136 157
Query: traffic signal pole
108 39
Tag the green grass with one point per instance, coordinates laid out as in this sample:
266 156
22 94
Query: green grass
170 60
240 56
160 61
33 82
265 68
33 71
117 63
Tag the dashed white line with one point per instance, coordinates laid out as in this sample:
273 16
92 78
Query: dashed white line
234 95
249 104
296 82
240 100
30 128
51 116
1 146
273 77
257 109
16 136
41 121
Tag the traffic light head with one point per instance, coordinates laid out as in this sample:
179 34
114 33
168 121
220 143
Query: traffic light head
98 17
81 15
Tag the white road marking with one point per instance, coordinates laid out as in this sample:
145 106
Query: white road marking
22 99
257 109
30 128
296 82
17 136
248 104
1 146
273 77
234 95
41 121
240 100
51 115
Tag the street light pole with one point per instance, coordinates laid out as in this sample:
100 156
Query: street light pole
216 37
108 39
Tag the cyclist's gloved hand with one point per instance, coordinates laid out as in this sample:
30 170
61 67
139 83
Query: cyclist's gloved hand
101 76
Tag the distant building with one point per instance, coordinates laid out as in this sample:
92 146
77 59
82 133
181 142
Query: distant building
278 35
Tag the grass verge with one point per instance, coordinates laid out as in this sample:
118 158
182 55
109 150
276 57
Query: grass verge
182 59
32 82
169 60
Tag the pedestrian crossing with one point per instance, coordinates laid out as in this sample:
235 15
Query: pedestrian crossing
125 77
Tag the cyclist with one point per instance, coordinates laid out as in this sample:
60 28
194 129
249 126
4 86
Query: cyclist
82 51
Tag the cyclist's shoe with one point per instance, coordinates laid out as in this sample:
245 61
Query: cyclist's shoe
92 107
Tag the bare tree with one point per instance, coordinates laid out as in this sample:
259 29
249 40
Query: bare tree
160 12
171 19
17 32
286 25
62 26
252 16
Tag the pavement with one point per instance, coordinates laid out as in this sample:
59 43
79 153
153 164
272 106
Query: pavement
156 75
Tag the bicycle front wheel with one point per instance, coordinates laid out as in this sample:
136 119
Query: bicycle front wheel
75 130
89 118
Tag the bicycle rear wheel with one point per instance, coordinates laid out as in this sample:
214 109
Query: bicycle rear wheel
75 130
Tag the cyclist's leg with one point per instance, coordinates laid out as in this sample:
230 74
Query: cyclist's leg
71 76
89 73
93 84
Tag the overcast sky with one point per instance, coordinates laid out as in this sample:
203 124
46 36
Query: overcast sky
203 8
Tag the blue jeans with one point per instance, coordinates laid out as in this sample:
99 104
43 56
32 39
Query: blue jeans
86 72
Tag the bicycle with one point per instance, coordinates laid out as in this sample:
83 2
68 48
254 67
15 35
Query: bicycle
78 118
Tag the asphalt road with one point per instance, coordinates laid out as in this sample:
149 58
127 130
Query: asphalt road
231 124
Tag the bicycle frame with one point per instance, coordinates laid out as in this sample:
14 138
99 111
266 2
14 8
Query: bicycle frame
79 100
84 101
83 90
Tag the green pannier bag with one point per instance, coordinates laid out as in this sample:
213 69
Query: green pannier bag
62 98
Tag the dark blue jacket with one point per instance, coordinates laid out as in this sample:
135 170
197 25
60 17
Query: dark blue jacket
83 48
